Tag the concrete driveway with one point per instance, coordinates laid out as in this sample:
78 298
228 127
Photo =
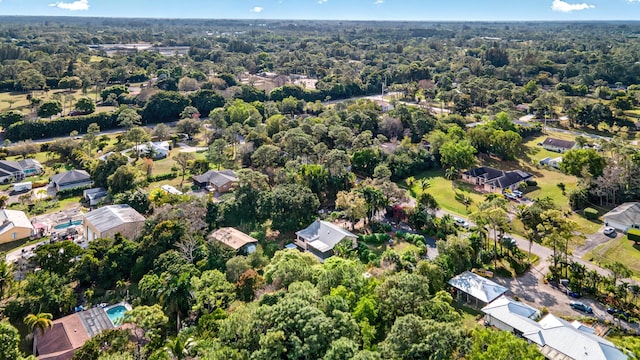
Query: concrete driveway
592 241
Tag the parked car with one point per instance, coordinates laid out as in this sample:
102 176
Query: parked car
618 313
574 294
483 272
461 222
609 231
510 196
581 307
517 193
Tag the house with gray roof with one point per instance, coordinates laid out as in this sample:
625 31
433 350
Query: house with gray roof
475 289
107 221
513 316
70 180
492 180
624 217
216 181
321 237
558 145
11 171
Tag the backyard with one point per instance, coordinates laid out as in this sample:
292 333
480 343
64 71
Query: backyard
619 249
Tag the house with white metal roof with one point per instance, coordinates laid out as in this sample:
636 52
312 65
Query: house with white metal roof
107 221
473 288
14 225
321 237
513 316
624 217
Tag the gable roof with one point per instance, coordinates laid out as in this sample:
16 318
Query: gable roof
232 237
499 178
627 214
9 167
559 339
564 144
217 178
477 286
10 219
323 236
109 217
29 163
70 177
518 315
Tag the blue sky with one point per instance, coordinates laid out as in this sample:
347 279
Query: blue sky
428 10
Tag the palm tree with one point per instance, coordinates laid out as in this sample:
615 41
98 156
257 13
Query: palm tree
451 174
176 295
41 321
180 347
424 185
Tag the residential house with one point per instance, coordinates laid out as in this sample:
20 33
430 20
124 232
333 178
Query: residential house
95 195
556 338
513 316
624 217
321 237
10 171
495 180
70 180
558 145
155 150
235 239
14 225
475 289
216 181
385 106
107 221
552 162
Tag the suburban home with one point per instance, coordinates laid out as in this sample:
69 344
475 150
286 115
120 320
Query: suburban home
494 180
513 316
107 221
216 181
558 145
475 289
235 239
559 339
95 195
14 226
70 180
554 163
155 150
69 333
10 171
321 237
624 217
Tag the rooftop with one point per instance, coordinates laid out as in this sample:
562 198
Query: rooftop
109 217
69 177
232 237
627 213
218 178
323 235
477 286
565 144
10 219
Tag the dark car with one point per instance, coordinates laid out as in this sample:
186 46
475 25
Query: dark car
575 295
582 307
618 313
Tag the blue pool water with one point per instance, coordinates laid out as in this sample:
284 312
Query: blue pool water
66 225
116 313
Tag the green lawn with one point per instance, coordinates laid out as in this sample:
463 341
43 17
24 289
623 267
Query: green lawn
619 249
447 197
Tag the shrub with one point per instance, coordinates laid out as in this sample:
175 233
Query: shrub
59 127
634 235
590 213
167 176
68 193
532 183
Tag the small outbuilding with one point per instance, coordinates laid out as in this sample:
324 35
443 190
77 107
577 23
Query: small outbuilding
624 217
235 239
107 221
475 289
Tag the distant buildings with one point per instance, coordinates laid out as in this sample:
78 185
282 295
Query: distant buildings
107 221
11 171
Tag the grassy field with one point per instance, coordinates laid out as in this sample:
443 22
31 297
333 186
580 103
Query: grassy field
448 197
620 249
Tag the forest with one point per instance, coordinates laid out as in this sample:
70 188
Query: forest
370 125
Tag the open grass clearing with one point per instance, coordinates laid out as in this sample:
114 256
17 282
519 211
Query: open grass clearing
619 249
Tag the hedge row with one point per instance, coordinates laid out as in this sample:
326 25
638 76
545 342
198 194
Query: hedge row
375 239
60 127
161 177
68 193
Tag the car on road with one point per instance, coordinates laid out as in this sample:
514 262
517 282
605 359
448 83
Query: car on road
609 231
574 294
618 313
461 222
581 307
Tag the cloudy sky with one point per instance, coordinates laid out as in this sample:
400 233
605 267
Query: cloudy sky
436 10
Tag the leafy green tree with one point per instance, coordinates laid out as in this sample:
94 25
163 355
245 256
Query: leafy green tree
189 126
176 295
341 349
57 257
401 294
211 291
206 100
500 345
106 168
458 154
576 161
290 206
70 82
48 292
183 160
287 267
150 319
49 108
85 105
128 118
164 106
123 179
9 341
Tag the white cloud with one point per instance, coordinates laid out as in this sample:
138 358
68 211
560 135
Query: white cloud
256 9
563 6
378 2
322 1
73 6
633 1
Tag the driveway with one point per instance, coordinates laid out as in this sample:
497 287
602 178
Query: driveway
592 241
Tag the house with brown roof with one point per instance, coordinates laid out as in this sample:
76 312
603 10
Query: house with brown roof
216 181
558 145
493 180
235 239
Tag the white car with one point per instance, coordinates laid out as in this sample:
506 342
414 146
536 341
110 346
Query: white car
609 230
461 222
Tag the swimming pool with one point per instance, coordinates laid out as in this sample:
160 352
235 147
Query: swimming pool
66 225
116 313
